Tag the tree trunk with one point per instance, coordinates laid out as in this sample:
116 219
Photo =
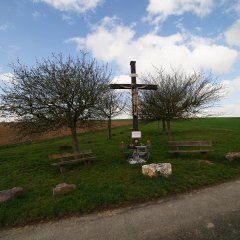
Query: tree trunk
163 126
169 132
74 139
109 128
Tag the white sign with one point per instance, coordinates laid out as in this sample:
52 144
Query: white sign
136 134
133 75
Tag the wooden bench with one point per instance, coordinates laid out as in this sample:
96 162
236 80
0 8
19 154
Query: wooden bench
62 159
178 147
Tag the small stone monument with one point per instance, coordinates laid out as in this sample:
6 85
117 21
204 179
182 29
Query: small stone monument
63 188
157 169
232 156
9 194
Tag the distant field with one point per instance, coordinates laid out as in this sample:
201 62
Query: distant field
9 136
110 181
216 123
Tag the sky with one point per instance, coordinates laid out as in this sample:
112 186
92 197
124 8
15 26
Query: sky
188 34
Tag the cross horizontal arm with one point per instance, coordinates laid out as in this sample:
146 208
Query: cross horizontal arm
138 86
120 86
146 86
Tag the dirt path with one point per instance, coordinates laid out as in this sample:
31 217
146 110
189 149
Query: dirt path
211 213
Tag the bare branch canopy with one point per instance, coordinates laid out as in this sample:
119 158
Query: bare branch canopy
55 92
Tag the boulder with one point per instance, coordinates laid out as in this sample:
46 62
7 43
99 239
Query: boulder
157 169
232 156
63 188
9 194
149 170
164 169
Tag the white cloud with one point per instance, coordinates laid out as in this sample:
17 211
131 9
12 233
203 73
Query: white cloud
231 7
226 109
36 15
232 87
111 42
217 58
68 19
125 79
79 6
4 27
237 7
232 35
159 10
6 77
229 106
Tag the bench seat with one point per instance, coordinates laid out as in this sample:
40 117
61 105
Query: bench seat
70 158
72 161
188 151
178 147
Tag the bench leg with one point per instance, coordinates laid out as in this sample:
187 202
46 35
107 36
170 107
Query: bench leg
88 162
61 168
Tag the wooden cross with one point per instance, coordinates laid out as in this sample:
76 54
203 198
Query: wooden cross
134 87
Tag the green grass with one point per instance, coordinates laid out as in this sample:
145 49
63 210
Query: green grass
110 181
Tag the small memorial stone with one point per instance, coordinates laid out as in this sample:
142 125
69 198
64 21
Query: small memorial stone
232 156
157 169
149 170
164 169
9 194
63 188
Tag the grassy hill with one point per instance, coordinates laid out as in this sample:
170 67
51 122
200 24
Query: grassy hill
110 181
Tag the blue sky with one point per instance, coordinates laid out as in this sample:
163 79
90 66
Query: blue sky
191 34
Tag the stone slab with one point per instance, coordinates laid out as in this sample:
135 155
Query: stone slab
9 194
63 188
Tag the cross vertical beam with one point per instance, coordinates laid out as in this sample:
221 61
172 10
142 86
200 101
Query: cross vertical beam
134 96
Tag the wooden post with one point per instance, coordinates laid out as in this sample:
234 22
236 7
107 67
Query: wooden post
134 95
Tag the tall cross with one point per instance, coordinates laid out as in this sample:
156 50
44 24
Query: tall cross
134 87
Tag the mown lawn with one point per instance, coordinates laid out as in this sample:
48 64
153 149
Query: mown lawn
110 181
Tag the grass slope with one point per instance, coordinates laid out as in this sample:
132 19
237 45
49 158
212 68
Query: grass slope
111 181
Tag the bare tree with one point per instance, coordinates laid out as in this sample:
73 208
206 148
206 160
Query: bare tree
151 110
111 105
179 95
56 92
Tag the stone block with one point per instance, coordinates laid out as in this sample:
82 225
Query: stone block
164 169
149 170
9 194
157 169
232 156
63 188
